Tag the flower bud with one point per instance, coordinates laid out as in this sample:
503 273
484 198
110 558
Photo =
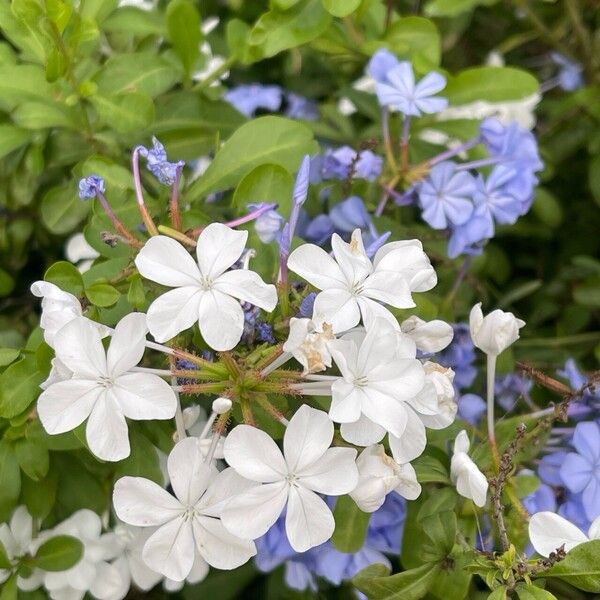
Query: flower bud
221 405
431 336
470 482
495 332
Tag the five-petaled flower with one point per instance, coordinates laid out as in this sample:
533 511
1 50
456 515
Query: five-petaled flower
188 524
307 467
206 291
103 387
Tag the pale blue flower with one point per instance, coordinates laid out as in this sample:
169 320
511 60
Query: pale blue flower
570 74
247 99
90 186
469 237
494 195
157 163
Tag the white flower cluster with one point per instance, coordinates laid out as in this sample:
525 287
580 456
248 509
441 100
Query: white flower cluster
216 510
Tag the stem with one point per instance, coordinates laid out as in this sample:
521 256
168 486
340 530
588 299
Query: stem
385 126
177 235
386 195
454 151
174 201
159 372
135 165
277 362
241 220
117 224
404 143
476 164
268 407
208 425
179 424
491 374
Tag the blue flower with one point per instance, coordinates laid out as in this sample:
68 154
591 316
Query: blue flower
90 186
471 408
445 196
580 470
268 225
264 332
307 305
336 566
399 91
380 64
494 195
586 404
510 388
337 164
574 511
247 99
158 165
299 107
570 74
549 468
544 498
350 214
468 237
460 356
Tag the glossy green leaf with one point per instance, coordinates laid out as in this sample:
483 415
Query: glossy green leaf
532 592
580 568
10 480
62 210
8 355
125 112
413 584
59 553
341 8
19 387
66 276
266 183
416 39
350 525
102 294
183 25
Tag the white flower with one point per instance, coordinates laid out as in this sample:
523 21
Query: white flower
469 480
549 531
307 342
58 308
431 336
17 539
80 253
353 286
378 475
379 376
495 332
307 467
93 573
204 291
103 387
188 524
439 379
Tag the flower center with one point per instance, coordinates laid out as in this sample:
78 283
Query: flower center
106 382
206 283
361 381
292 479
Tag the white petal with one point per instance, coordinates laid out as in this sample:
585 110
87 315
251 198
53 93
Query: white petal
408 487
308 522
199 570
594 530
223 487
263 502
219 547
334 474
78 345
221 320
254 455
127 344
166 261
188 472
351 258
407 257
362 432
346 402
106 430
139 501
247 286
306 438
174 312
412 442
462 443
110 583
549 531
170 550
67 404
388 287
218 248
143 396
338 307
384 410
317 267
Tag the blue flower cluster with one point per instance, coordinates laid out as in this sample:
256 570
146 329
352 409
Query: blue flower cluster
158 164
301 570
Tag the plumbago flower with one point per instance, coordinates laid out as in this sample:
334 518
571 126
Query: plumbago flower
307 465
188 524
469 480
103 387
206 291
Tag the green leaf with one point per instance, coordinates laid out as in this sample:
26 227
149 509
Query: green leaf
19 387
183 25
58 553
9 589
125 113
12 138
33 458
452 8
430 470
581 567
8 355
416 39
141 72
10 480
341 8
408 585
66 277
62 210
135 21
350 525
266 183
588 293
142 461
532 592
4 562
491 84
7 283
266 140
102 294
498 594
39 496
441 529
453 580
42 115
277 30
116 177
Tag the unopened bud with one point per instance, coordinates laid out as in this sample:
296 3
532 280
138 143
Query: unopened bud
221 405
